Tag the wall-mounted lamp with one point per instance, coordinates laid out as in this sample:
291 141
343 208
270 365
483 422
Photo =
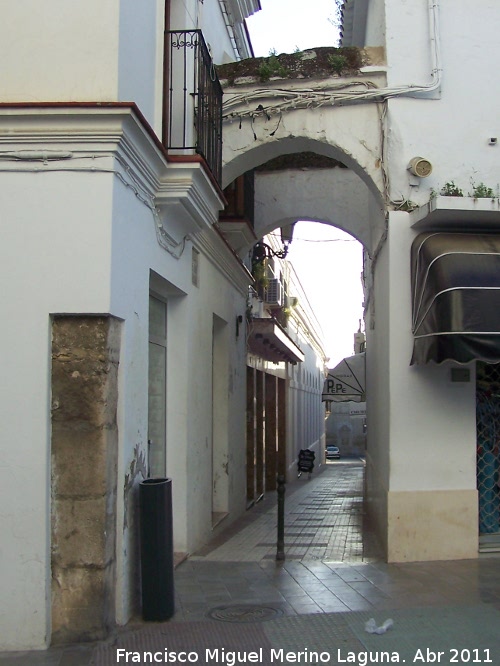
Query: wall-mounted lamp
262 250
287 234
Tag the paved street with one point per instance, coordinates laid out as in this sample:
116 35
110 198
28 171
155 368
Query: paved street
233 594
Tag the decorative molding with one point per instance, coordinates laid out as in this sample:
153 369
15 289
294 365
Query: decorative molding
113 138
186 198
216 250
242 9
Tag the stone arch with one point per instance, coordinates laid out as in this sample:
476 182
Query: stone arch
332 196
353 198
237 160
347 198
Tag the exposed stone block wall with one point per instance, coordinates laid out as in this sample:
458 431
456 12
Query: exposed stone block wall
85 353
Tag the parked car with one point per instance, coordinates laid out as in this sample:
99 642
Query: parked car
332 452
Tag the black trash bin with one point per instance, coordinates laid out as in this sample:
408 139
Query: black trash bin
157 549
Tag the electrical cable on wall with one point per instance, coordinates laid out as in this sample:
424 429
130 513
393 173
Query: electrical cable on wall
128 179
334 94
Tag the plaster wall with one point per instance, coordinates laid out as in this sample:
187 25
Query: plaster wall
439 424
116 53
66 251
432 436
407 42
140 265
116 50
375 23
215 32
379 396
336 196
349 134
208 17
306 422
185 15
55 248
452 131
345 427
140 57
36 40
430 487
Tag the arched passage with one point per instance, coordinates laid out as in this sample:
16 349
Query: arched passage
323 191
346 195
347 191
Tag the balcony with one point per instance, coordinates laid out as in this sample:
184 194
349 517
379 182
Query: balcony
193 105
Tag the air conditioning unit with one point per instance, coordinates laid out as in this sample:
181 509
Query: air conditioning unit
274 292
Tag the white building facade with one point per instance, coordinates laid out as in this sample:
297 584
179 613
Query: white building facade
286 368
123 355
120 359
124 348
414 121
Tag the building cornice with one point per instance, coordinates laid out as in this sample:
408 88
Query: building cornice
224 259
242 9
113 138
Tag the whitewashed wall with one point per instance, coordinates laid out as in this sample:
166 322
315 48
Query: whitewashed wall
68 252
427 473
452 131
55 258
36 40
77 239
336 196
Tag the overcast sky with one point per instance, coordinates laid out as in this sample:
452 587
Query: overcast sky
285 25
330 271
329 264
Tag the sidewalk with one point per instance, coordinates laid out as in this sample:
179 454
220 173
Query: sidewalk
233 595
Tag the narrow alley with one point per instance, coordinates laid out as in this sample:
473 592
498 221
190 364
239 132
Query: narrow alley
233 595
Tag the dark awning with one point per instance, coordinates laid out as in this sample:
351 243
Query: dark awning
456 297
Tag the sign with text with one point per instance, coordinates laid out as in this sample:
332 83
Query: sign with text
346 382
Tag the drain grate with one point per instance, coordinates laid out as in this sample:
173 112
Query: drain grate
244 613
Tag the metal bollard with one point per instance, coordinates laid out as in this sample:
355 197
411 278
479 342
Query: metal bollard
280 546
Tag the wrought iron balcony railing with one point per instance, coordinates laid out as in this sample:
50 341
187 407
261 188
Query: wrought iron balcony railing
193 113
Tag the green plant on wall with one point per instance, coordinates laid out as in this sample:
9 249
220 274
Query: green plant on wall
451 190
259 272
337 62
405 205
271 67
481 191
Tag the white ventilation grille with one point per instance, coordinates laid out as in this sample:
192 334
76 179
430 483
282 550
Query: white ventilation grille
274 292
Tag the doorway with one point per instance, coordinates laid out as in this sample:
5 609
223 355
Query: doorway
488 454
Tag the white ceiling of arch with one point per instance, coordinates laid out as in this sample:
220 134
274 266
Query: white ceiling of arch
336 196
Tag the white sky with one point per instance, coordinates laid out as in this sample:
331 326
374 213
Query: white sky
330 271
329 262
284 25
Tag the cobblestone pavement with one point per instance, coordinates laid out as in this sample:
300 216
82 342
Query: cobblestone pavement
233 593
323 521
